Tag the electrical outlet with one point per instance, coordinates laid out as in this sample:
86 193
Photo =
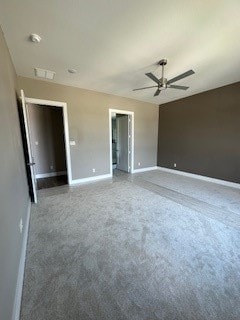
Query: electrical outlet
93 170
139 164
51 167
21 225
174 165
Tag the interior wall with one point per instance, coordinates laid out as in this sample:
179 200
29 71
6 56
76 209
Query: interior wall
14 198
47 138
201 134
88 115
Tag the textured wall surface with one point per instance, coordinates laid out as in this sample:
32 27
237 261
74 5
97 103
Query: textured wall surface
14 198
89 125
201 133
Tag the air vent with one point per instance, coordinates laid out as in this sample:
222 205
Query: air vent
45 74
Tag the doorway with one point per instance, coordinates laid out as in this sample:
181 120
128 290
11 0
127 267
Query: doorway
45 131
121 124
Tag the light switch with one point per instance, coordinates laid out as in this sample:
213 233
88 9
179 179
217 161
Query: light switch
72 143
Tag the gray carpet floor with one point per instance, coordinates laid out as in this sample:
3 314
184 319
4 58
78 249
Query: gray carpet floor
140 247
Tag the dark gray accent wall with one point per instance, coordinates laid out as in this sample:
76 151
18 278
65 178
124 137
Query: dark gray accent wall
201 134
14 198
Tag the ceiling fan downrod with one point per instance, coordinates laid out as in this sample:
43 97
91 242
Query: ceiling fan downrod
163 81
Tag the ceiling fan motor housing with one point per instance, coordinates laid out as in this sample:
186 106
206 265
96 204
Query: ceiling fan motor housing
163 83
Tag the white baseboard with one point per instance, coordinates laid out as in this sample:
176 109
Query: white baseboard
20 278
145 169
50 174
90 179
200 177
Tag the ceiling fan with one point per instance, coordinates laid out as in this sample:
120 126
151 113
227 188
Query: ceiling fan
163 83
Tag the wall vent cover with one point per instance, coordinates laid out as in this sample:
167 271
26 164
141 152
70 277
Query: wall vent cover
45 74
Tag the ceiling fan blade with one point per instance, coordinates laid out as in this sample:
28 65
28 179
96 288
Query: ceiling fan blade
181 76
152 76
145 88
157 92
178 87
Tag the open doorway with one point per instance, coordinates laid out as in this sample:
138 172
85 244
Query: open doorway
31 141
121 140
46 132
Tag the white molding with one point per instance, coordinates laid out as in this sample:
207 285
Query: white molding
45 102
21 268
145 169
50 174
131 114
63 105
90 179
200 177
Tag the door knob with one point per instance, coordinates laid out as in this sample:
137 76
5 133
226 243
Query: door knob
31 163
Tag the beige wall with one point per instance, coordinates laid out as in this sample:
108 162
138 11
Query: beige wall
47 138
14 198
89 125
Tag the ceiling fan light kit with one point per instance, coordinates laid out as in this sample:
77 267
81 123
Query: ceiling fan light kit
163 83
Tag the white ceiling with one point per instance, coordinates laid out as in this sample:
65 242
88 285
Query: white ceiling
113 43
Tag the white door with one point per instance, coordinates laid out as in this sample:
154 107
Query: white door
122 143
30 160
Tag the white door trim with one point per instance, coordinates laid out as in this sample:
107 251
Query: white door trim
131 116
63 105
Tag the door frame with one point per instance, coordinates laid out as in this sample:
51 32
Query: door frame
63 105
131 117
